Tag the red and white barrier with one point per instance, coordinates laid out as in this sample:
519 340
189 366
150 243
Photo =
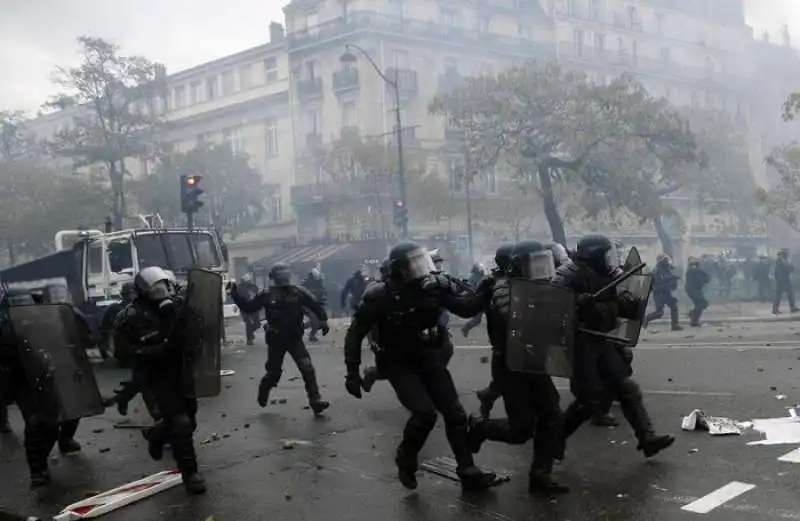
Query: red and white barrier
119 497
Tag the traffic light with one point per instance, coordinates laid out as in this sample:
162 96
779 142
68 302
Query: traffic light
400 213
190 193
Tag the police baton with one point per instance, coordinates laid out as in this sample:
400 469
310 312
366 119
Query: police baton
611 286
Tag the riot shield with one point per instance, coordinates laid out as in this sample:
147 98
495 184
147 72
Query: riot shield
203 334
640 286
52 344
541 328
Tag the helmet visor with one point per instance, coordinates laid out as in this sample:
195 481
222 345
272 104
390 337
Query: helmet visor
539 266
611 258
160 290
420 264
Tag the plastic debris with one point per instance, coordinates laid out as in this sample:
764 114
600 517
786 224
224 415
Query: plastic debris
780 396
697 420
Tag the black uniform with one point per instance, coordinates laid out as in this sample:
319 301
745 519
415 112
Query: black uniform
354 289
284 306
413 355
491 393
41 429
150 335
696 280
128 294
477 275
315 284
664 283
371 373
783 282
246 290
598 366
531 400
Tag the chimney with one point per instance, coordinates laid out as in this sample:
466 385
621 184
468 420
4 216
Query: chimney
276 34
160 71
787 38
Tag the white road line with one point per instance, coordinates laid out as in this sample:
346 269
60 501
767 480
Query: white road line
719 497
791 457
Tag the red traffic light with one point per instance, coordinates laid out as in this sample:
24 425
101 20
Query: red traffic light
399 203
193 179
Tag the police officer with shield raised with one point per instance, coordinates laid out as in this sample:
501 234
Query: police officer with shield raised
151 333
598 365
531 399
413 356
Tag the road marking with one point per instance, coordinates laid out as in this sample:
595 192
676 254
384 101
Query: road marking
719 497
791 457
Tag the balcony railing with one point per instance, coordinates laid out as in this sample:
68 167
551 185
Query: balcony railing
309 88
345 80
367 20
406 80
329 191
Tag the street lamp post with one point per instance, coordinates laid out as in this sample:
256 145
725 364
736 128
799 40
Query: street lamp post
349 57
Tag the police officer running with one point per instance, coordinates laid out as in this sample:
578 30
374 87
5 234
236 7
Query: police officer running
150 334
284 306
597 363
531 400
413 355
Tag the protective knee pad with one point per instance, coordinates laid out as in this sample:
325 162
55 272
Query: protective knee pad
422 421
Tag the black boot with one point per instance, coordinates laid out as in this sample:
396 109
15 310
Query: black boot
40 478
264 388
194 483
68 446
406 467
155 437
636 413
540 480
605 420
486 399
473 478
315 401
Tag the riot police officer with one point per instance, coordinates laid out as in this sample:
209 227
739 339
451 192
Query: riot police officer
371 373
127 295
531 400
150 334
284 306
491 393
597 364
413 355
696 280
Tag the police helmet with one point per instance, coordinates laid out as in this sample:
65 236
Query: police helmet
531 260
410 261
598 252
280 274
502 256
560 254
385 269
154 282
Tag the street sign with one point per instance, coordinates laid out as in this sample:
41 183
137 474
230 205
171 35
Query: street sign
462 244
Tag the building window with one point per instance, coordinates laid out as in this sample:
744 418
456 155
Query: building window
401 59
666 54
159 106
271 69
633 17
456 174
491 180
233 137
695 99
179 97
310 70
483 25
195 93
312 23
349 114
524 31
245 77
660 23
709 66
599 44
448 17
211 88
577 39
275 208
634 52
228 83
271 135
450 66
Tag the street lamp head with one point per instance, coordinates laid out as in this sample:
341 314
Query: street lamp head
348 57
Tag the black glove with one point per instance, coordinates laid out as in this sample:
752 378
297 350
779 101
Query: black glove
583 300
352 383
323 326
436 282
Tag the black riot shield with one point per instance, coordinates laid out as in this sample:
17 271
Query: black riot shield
541 329
203 334
639 285
53 343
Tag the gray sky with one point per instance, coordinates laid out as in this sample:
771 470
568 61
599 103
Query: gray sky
35 35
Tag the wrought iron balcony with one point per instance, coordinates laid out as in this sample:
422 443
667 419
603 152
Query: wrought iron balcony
346 80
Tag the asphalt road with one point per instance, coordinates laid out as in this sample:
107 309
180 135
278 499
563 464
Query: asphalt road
341 466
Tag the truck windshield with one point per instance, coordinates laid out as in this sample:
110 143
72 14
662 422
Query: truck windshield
177 251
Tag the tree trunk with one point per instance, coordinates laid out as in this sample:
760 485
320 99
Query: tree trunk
550 207
12 253
114 177
123 202
666 241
